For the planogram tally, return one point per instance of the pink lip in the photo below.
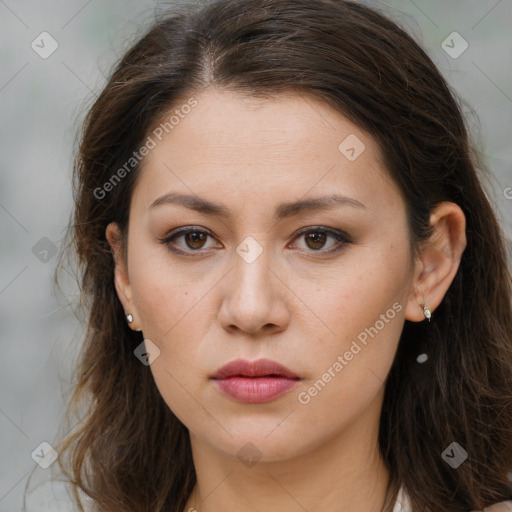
(254, 382)
(255, 390)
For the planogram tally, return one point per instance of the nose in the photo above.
(254, 297)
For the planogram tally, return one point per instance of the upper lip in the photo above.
(259, 368)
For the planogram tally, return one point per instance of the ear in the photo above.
(438, 261)
(122, 281)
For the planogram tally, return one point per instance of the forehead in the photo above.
(223, 119)
(238, 145)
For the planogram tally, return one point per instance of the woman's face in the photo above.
(279, 269)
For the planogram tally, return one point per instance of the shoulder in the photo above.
(403, 504)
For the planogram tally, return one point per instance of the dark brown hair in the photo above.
(130, 452)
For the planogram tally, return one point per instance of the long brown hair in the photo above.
(130, 452)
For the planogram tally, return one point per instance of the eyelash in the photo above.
(340, 236)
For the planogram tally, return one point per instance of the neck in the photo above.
(345, 473)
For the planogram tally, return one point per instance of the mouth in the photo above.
(254, 382)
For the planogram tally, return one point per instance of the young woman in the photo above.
(297, 289)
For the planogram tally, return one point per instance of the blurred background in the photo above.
(55, 58)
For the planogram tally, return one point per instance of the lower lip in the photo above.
(255, 390)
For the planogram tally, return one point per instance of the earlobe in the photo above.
(121, 279)
(438, 262)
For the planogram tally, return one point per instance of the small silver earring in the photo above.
(129, 318)
(426, 311)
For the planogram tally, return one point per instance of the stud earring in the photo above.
(129, 319)
(426, 311)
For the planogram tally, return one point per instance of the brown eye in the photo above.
(191, 240)
(195, 239)
(316, 240)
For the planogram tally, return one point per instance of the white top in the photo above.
(403, 504)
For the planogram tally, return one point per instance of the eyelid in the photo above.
(342, 238)
(331, 231)
(184, 230)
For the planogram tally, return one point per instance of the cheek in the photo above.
(166, 296)
(176, 381)
(174, 311)
(354, 297)
(170, 315)
(362, 314)
(350, 368)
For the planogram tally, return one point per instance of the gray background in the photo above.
(42, 102)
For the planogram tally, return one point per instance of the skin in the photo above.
(291, 304)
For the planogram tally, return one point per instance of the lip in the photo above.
(259, 368)
(254, 381)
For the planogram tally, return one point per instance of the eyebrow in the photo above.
(284, 210)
